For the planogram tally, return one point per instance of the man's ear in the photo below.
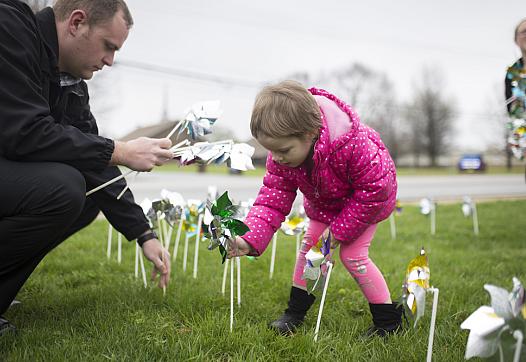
(77, 19)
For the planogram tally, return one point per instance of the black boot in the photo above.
(387, 319)
(6, 326)
(299, 303)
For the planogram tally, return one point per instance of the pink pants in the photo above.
(355, 258)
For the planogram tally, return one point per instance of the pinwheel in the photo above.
(239, 155)
(223, 225)
(428, 207)
(199, 119)
(495, 328)
(197, 122)
(157, 212)
(317, 273)
(296, 223)
(469, 208)
(221, 219)
(317, 258)
(173, 213)
(517, 137)
(398, 207)
(414, 294)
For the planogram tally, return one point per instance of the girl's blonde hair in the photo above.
(283, 110)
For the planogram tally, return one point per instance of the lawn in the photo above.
(80, 306)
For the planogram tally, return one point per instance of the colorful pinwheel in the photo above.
(398, 207)
(415, 285)
(222, 223)
(191, 220)
(314, 272)
(517, 137)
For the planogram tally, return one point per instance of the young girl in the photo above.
(318, 145)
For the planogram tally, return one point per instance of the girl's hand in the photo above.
(238, 247)
(334, 242)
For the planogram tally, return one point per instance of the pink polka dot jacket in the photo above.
(351, 186)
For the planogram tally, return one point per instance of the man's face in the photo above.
(95, 46)
(521, 36)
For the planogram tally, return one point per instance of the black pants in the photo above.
(41, 205)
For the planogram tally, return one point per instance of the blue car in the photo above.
(472, 162)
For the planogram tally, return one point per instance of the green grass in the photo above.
(401, 171)
(79, 306)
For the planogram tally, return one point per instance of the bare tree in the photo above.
(430, 116)
(370, 93)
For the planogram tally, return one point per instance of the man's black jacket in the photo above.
(40, 121)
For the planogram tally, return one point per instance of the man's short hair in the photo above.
(517, 28)
(98, 11)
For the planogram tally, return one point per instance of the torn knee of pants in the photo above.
(358, 267)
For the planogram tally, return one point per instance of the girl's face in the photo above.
(289, 151)
(521, 36)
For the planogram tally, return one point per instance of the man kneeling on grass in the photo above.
(50, 151)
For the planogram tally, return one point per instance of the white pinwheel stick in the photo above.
(108, 248)
(238, 267)
(273, 256)
(432, 326)
(517, 334)
(320, 312)
(143, 271)
(137, 247)
(231, 295)
(225, 273)
(119, 248)
(185, 251)
(475, 219)
(115, 179)
(197, 238)
(392, 224)
(174, 129)
(177, 238)
(433, 219)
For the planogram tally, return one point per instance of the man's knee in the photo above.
(66, 191)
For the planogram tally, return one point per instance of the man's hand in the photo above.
(238, 247)
(154, 252)
(143, 153)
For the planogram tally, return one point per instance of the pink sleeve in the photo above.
(273, 203)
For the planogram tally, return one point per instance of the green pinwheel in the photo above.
(222, 223)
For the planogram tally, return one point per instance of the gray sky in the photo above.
(470, 42)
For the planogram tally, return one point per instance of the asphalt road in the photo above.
(410, 188)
